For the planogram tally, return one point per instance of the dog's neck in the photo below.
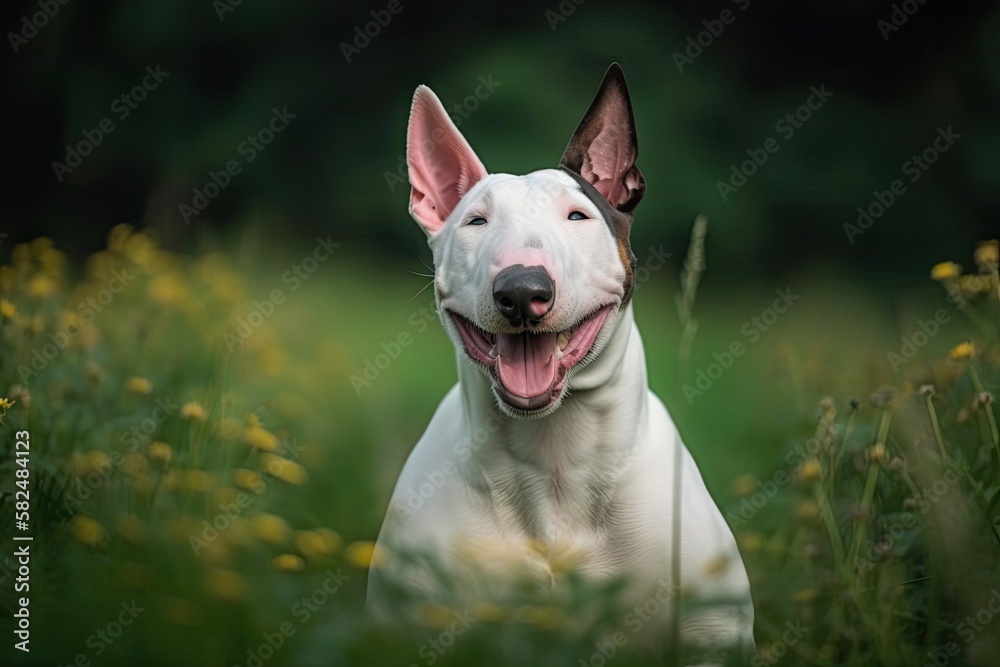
(595, 426)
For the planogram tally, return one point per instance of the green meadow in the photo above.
(211, 438)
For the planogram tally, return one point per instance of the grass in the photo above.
(226, 488)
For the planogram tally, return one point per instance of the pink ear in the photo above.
(604, 148)
(442, 165)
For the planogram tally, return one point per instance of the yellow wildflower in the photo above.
(987, 254)
(167, 289)
(489, 612)
(96, 461)
(743, 485)
(248, 480)
(140, 248)
(332, 540)
(810, 470)
(87, 531)
(877, 453)
(807, 510)
(288, 563)
(749, 541)
(312, 543)
(974, 284)
(269, 527)
(962, 351)
(225, 584)
(364, 554)
(283, 469)
(41, 286)
(260, 438)
(171, 480)
(118, 235)
(945, 271)
(135, 464)
(192, 410)
(160, 452)
(7, 309)
(805, 595)
(138, 385)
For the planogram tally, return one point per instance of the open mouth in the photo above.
(529, 369)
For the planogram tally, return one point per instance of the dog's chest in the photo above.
(558, 507)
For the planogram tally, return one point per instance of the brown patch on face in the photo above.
(628, 261)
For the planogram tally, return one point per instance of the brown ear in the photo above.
(603, 149)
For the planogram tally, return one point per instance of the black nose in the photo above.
(524, 294)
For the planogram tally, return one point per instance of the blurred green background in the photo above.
(334, 172)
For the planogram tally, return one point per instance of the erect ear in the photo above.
(603, 149)
(442, 165)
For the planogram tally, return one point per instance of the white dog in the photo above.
(551, 452)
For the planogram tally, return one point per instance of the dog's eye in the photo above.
(576, 215)
(477, 221)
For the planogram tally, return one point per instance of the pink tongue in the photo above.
(526, 363)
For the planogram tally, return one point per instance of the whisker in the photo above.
(414, 297)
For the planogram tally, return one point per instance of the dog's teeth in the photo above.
(493, 352)
(562, 340)
(559, 353)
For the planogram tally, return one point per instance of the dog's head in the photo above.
(531, 272)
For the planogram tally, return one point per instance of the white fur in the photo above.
(525, 494)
